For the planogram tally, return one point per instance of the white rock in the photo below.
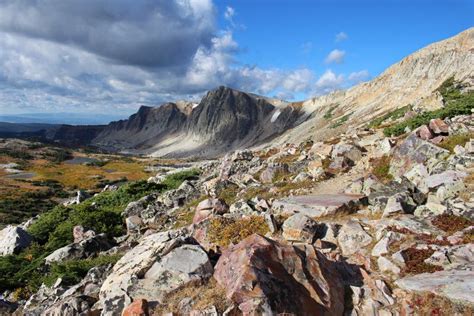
(13, 239)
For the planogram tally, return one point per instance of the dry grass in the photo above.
(381, 168)
(225, 231)
(202, 296)
(452, 141)
(431, 304)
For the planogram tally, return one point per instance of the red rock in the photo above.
(424, 132)
(209, 207)
(438, 126)
(263, 276)
(137, 308)
(438, 139)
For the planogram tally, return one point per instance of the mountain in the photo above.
(225, 119)
(414, 80)
(228, 119)
(60, 118)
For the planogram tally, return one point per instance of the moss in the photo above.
(452, 141)
(224, 231)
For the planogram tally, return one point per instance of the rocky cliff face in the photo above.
(225, 119)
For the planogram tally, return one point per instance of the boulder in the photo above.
(349, 151)
(80, 233)
(321, 149)
(115, 292)
(385, 265)
(81, 250)
(134, 224)
(438, 126)
(424, 132)
(269, 174)
(352, 238)
(241, 208)
(412, 151)
(137, 308)
(455, 285)
(318, 205)
(181, 266)
(382, 246)
(398, 204)
(265, 277)
(208, 207)
(299, 227)
(13, 239)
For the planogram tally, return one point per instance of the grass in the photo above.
(456, 103)
(201, 295)
(341, 121)
(381, 168)
(329, 113)
(393, 115)
(224, 231)
(431, 304)
(453, 140)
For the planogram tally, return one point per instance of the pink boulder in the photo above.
(264, 277)
(209, 207)
(424, 132)
(438, 126)
(137, 308)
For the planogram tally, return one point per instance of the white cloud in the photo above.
(359, 76)
(229, 14)
(329, 82)
(335, 56)
(341, 36)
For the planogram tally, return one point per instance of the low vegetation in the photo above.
(394, 115)
(415, 261)
(329, 113)
(456, 103)
(102, 213)
(381, 168)
(454, 140)
(224, 231)
(450, 223)
(341, 121)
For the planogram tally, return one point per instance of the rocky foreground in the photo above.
(360, 224)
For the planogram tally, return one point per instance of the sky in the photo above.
(109, 57)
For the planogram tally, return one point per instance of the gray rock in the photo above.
(385, 265)
(242, 208)
(269, 174)
(414, 151)
(182, 265)
(299, 227)
(399, 203)
(318, 205)
(114, 292)
(382, 246)
(455, 285)
(13, 239)
(352, 238)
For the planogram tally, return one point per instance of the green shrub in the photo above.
(48, 222)
(73, 271)
(394, 115)
(329, 113)
(341, 121)
(456, 103)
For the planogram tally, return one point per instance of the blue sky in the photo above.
(301, 33)
(106, 56)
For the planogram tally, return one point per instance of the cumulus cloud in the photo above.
(328, 82)
(98, 56)
(142, 32)
(335, 56)
(359, 76)
(341, 36)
